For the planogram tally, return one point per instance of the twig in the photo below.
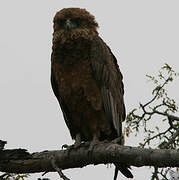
(171, 140)
(45, 173)
(164, 174)
(157, 135)
(166, 81)
(59, 170)
(155, 174)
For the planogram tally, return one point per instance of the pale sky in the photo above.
(142, 34)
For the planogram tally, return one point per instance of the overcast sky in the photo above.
(143, 35)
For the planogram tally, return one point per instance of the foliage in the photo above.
(157, 119)
(11, 176)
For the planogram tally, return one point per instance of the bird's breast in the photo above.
(75, 82)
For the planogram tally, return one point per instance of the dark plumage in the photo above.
(86, 79)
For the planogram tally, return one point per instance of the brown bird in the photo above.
(86, 80)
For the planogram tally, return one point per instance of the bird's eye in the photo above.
(61, 22)
(76, 21)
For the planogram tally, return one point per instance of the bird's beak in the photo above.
(68, 25)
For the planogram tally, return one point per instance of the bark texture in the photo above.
(20, 161)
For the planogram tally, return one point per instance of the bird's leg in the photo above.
(77, 140)
(94, 142)
(75, 145)
(65, 146)
(119, 140)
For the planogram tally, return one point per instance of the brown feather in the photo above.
(86, 79)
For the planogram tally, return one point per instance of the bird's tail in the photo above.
(123, 169)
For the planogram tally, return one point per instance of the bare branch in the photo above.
(59, 170)
(157, 93)
(155, 136)
(103, 153)
(155, 174)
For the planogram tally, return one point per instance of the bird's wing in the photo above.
(109, 80)
(63, 106)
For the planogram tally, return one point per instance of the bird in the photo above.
(86, 80)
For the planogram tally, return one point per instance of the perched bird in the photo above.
(86, 80)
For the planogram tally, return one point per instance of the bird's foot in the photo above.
(92, 144)
(70, 147)
(77, 141)
(75, 145)
(105, 141)
(67, 147)
(117, 140)
(95, 142)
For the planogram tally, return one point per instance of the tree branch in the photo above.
(102, 153)
(171, 140)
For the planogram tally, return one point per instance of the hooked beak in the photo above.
(69, 25)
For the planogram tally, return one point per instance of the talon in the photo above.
(76, 144)
(105, 141)
(93, 143)
(119, 140)
(77, 141)
(116, 140)
(65, 146)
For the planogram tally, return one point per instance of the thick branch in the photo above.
(103, 153)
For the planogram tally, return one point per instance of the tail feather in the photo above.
(123, 169)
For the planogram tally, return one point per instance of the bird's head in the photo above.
(72, 24)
